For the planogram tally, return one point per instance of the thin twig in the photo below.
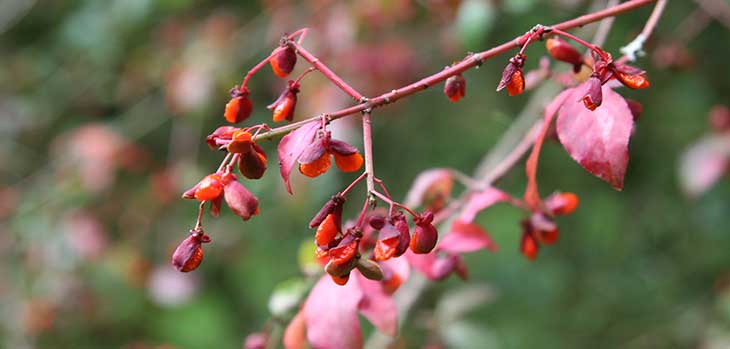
(470, 62)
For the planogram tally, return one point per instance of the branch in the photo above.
(466, 64)
(515, 143)
(326, 71)
(367, 140)
(636, 46)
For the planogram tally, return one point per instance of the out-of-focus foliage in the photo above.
(104, 106)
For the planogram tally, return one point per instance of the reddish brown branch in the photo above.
(466, 64)
(326, 71)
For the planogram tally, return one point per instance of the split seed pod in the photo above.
(284, 106)
(565, 52)
(239, 107)
(512, 77)
(189, 253)
(425, 235)
(284, 61)
(594, 96)
(455, 88)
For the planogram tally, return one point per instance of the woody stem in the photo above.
(326, 71)
(367, 140)
(199, 221)
(352, 185)
(390, 202)
(468, 63)
(303, 74)
(258, 67)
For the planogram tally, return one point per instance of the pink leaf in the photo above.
(437, 179)
(292, 146)
(704, 163)
(330, 315)
(377, 305)
(397, 266)
(481, 200)
(598, 140)
(466, 237)
(424, 263)
(532, 194)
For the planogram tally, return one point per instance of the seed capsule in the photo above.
(327, 231)
(594, 96)
(631, 77)
(512, 77)
(209, 188)
(425, 235)
(239, 107)
(252, 164)
(189, 254)
(284, 61)
(369, 269)
(563, 51)
(284, 106)
(455, 88)
(529, 246)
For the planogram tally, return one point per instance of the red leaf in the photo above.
(704, 163)
(598, 140)
(466, 237)
(481, 200)
(532, 194)
(377, 305)
(330, 313)
(292, 146)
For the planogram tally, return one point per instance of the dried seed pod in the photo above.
(284, 106)
(314, 160)
(377, 222)
(239, 199)
(425, 235)
(631, 77)
(252, 164)
(342, 269)
(221, 136)
(387, 244)
(189, 253)
(594, 95)
(240, 142)
(369, 269)
(209, 188)
(345, 250)
(333, 205)
(348, 163)
(284, 61)
(340, 280)
(239, 108)
(190, 193)
(565, 52)
(347, 158)
(512, 77)
(455, 88)
(528, 245)
(327, 231)
(401, 225)
(561, 204)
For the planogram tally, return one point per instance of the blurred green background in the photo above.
(104, 106)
